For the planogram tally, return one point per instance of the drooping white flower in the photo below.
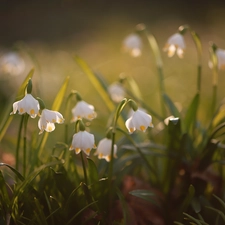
(104, 149)
(12, 63)
(220, 54)
(174, 44)
(26, 105)
(133, 44)
(140, 120)
(116, 92)
(167, 120)
(83, 141)
(48, 119)
(83, 110)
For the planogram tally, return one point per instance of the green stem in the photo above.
(214, 97)
(148, 165)
(199, 77)
(84, 168)
(161, 89)
(156, 52)
(112, 158)
(26, 117)
(18, 142)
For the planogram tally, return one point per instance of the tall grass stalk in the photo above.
(141, 28)
(18, 142)
(26, 117)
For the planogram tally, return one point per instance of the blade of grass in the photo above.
(5, 124)
(95, 82)
(56, 105)
(79, 212)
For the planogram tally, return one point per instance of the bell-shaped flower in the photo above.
(174, 44)
(47, 120)
(83, 141)
(220, 54)
(12, 63)
(116, 92)
(104, 149)
(140, 120)
(83, 110)
(133, 44)
(26, 105)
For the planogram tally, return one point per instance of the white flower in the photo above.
(83, 110)
(220, 54)
(133, 44)
(26, 105)
(116, 92)
(83, 141)
(48, 119)
(104, 149)
(12, 63)
(167, 120)
(139, 120)
(175, 43)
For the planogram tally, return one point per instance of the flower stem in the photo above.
(151, 169)
(18, 142)
(159, 64)
(84, 168)
(198, 45)
(26, 117)
(214, 97)
(199, 78)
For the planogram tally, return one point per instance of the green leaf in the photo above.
(207, 154)
(198, 222)
(124, 206)
(99, 86)
(172, 108)
(220, 200)
(219, 117)
(190, 117)
(39, 213)
(95, 82)
(5, 124)
(178, 223)
(55, 106)
(13, 170)
(196, 205)
(60, 96)
(134, 88)
(146, 195)
(218, 211)
(92, 171)
(174, 135)
(188, 199)
(78, 213)
(198, 43)
(4, 195)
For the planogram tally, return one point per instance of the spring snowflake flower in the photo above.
(26, 105)
(175, 44)
(116, 92)
(220, 54)
(140, 120)
(104, 149)
(12, 63)
(133, 44)
(48, 119)
(83, 110)
(83, 141)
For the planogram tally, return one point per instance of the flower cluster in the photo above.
(31, 106)
(85, 142)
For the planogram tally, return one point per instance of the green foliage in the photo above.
(173, 173)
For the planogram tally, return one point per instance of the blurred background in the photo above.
(45, 35)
